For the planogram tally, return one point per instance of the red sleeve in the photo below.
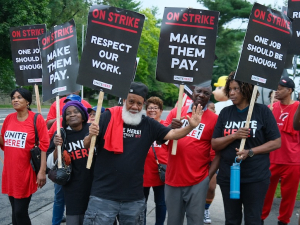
(52, 129)
(52, 112)
(171, 116)
(43, 133)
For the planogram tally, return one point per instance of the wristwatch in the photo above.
(250, 153)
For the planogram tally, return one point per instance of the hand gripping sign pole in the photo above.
(181, 89)
(242, 145)
(97, 119)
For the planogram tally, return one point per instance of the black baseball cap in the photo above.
(287, 82)
(138, 88)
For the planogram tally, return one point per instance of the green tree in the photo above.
(16, 13)
(124, 4)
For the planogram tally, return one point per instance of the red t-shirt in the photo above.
(191, 163)
(18, 177)
(52, 111)
(53, 128)
(151, 177)
(289, 152)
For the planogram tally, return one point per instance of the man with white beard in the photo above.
(124, 137)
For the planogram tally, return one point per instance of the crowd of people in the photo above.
(130, 145)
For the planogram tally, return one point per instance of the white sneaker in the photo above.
(206, 217)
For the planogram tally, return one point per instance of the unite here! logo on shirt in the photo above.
(133, 133)
(15, 139)
(196, 132)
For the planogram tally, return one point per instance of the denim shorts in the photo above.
(103, 212)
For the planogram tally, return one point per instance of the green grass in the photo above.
(94, 102)
(278, 195)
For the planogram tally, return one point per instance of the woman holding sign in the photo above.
(19, 181)
(262, 137)
(77, 190)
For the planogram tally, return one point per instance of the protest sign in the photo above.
(294, 13)
(109, 55)
(108, 60)
(187, 46)
(265, 47)
(26, 53)
(186, 49)
(59, 55)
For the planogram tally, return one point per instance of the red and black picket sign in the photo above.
(26, 53)
(187, 46)
(265, 47)
(293, 12)
(108, 60)
(59, 55)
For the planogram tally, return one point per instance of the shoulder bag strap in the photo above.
(35, 130)
(154, 154)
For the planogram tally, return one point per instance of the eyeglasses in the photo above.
(92, 114)
(152, 109)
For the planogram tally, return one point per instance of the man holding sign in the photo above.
(187, 174)
(124, 137)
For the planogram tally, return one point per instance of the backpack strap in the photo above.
(35, 130)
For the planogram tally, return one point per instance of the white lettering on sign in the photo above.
(102, 84)
(15, 139)
(185, 79)
(296, 15)
(30, 67)
(258, 79)
(59, 89)
(36, 80)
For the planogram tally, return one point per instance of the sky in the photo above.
(161, 4)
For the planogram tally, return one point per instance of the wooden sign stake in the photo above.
(272, 100)
(58, 132)
(37, 97)
(181, 89)
(97, 119)
(249, 115)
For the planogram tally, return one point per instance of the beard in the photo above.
(130, 118)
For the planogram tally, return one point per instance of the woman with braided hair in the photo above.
(262, 137)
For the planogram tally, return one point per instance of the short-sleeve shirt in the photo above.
(263, 128)
(190, 165)
(119, 177)
(289, 152)
(18, 177)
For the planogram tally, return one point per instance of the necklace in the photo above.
(284, 107)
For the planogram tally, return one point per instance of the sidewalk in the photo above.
(43, 216)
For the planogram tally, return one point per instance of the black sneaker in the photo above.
(281, 223)
(63, 220)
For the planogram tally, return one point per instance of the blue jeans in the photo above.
(160, 204)
(58, 205)
(104, 212)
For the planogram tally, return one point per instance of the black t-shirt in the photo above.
(77, 190)
(263, 129)
(119, 177)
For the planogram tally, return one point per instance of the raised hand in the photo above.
(196, 116)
